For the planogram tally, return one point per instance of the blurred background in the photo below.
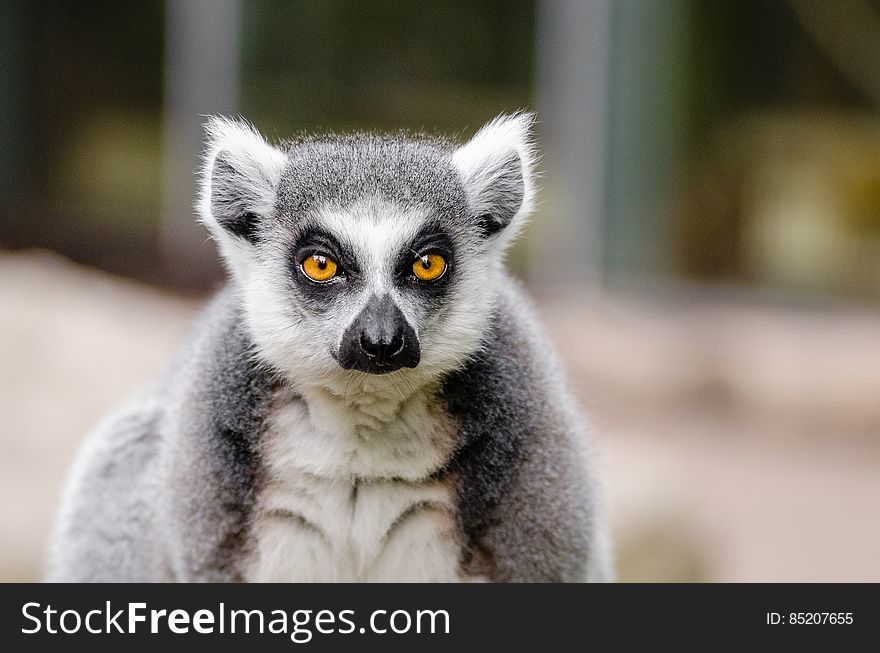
(706, 254)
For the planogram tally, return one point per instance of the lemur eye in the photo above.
(429, 267)
(319, 268)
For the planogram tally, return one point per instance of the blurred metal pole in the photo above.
(572, 89)
(201, 77)
(647, 137)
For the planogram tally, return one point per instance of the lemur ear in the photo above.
(239, 179)
(497, 169)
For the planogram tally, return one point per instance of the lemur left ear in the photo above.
(239, 180)
(497, 169)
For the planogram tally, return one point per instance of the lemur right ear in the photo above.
(497, 169)
(239, 179)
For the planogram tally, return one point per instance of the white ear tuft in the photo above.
(239, 179)
(497, 167)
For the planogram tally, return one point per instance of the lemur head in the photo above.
(366, 253)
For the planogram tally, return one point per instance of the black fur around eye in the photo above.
(330, 253)
(433, 247)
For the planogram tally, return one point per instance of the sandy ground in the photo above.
(738, 443)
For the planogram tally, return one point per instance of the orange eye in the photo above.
(319, 268)
(429, 267)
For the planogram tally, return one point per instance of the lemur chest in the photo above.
(351, 494)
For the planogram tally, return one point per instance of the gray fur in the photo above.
(526, 492)
(340, 170)
(165, 487)
(169, 488)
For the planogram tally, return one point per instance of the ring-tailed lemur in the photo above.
(370, 398)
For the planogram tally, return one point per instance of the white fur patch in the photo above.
(348, 495)
(376, 230)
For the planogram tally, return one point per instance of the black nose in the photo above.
(379, 340)
(383, 351)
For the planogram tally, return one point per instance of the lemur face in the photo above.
(367, 257)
